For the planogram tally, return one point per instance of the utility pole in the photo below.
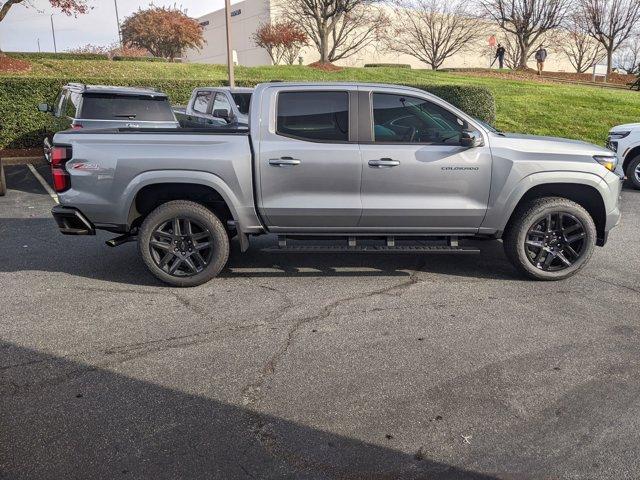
(227, 12)
(39, 45)
(118, 21)
(53, 32)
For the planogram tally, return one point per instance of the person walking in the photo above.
(500, 51)
(541, 56)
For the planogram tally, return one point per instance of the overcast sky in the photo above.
(23, 26)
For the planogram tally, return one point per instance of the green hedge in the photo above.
(23, 126)
(387, 65)
(56, 56)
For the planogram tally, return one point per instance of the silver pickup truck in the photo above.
(216, 107)
(375, 168)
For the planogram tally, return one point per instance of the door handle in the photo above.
(284, 162)
(384, 163)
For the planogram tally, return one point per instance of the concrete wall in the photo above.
(252, 13)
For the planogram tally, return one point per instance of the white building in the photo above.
(248, 15)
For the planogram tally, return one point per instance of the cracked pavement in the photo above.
(312, 366)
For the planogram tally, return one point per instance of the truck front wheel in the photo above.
(183, 243)
(550, 238)
(633, 172)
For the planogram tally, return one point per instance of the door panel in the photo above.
(310, 173)
(416, 175)
(433, 187)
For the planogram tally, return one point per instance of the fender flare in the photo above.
(191, 177)
(501, 211)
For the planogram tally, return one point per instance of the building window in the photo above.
(316, 116)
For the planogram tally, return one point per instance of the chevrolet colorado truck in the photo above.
(373, 168)
(216, 107)
(625, 141)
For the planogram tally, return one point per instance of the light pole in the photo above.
(118, 22)
(53, 32)
(227, 14)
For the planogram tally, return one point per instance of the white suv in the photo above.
(625, 141)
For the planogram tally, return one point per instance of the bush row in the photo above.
(23, 126)
(80, 56)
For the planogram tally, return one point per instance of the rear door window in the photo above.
(72, 103)
(126, 107)
(316, 116)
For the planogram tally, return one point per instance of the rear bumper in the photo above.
(72, 222)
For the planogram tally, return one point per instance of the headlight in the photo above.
(607, 162)
(617, 135)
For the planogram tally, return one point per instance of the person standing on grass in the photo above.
(541, 56)
(500, 51)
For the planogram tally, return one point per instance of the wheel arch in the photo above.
(152, 189)
(584, 195)
(631, 154)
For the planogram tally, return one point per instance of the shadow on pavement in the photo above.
(36, 244)
(64, 419)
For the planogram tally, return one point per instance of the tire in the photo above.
(633, 172)
(3, 181)
(166, 246)
(572, 239)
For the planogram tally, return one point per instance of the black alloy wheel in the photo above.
(181, 247)
(555, 242)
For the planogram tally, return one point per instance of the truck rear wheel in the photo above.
(183, 243)
(550, 238)
(633, 172)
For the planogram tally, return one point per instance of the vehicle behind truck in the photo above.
(216, 107)
(338, 168)
(625, 141)
(80, 106)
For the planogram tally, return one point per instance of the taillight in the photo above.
(77, 126)
(61, 178)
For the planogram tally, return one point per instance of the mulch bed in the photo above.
(326, 67)
(22, 152)
(530, 74)
(8, 64)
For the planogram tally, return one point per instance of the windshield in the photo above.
(242, 102)
(487, 126)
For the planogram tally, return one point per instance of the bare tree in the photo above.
(610, 22)
(526, 20)
(337, 28)
(432, 30)
(628, 56)
(580, 48)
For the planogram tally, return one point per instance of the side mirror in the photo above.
(470, 139)
(221, 113)
(44, 108)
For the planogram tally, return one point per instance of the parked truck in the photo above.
(374, 168)
(216, 107)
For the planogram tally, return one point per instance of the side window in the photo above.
(202, 101)
(221, 103)
(72, 104)
(60, 101)
(317, 116)
(403, 119)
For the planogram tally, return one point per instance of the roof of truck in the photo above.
(114, 90)
(232, 90)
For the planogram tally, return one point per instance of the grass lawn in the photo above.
(557, 109)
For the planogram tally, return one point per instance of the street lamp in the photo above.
(118, 21)
(53, 32)
(227, 14)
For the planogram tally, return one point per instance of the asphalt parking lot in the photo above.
(312, 366)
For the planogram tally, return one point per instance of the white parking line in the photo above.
(43, 182)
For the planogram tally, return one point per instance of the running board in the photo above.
(372, 249)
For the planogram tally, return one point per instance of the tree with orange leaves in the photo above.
(165, 32)
(281, 40)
